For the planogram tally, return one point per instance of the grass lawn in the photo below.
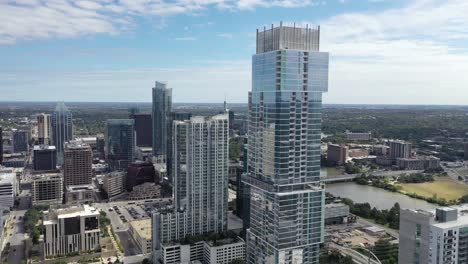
(443, 187)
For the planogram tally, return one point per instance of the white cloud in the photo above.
(39, 19)
(402, 55)
(226, 35)
(185, 38)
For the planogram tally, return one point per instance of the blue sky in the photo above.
(382, 51)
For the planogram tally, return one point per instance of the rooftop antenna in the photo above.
(225, 104)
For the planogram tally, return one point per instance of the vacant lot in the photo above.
(443, 187)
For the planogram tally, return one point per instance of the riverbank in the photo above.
(376, 197)
(440, 190)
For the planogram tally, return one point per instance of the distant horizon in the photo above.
(221, 103)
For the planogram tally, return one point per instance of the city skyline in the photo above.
(93, 51)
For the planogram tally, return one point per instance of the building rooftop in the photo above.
(75, 144)
(54, 214)
(44, 147)
(7, 178)
(79, 188)
(142, 227)
(47, 176)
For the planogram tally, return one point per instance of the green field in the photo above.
(443, 187)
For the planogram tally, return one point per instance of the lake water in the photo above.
(376, 197)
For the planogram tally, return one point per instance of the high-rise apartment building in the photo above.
(113, 183)
(175, 116)
(8, 189)
(120, 142)
(78, 164)
(1, 145)
(62, 129)
(47, 189)
(43, 129)
(143, 129)
(20, 141)
(200, 181)
(44, 158)
(434, 237)
(400, 149)
(286, 210)
(162, 106)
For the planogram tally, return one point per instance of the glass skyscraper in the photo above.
(62, 129)
(285, 215)
(162, 106)
(120, 142)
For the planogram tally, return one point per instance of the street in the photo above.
(129, 245)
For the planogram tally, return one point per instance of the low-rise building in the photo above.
(79, 194)
(384, 160)
(380, 150)
(71, 230)
(223, 251)
(47, 189)
(358, 136)
(336, 213)
(8, 189)
(113, 183)
(358, 153)
(141, 232)
(145, 191)
(420, 163)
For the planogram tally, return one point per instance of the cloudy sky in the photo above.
(382, 51)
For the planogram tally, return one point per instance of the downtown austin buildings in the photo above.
(43, 129)
(120, 142)
(78, 164)
(162, 106)
(285, 217)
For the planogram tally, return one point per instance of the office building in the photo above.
(143, 129)
(162, 106)
(144, 153)
(71, 230)
(113, 183)
(224, 251)
(62, 129)
(8, 189)
(200, 181)
(400, 149)
(20, 141)
(337, 154)
(47, 189)
(79, 194)
(357, 136)
(78, 164)
(286, 210)
(139, 172)
(101, 146)
(120, 143)
(44, 158)
(1, 145)
(141, 232)
(434, 237)
(43, 129)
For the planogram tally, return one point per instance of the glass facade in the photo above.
(120, 142)
(62, 129)
(162, 107)
(286, 215)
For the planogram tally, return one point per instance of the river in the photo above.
(376, 197)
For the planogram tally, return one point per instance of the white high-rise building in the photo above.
(434, 237)
(200, 169)
(8, 189)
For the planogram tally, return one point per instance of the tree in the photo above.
(238, 261)
(145, 261)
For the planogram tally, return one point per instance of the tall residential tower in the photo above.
(285, 217)
(43, 129)
(200, 181)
